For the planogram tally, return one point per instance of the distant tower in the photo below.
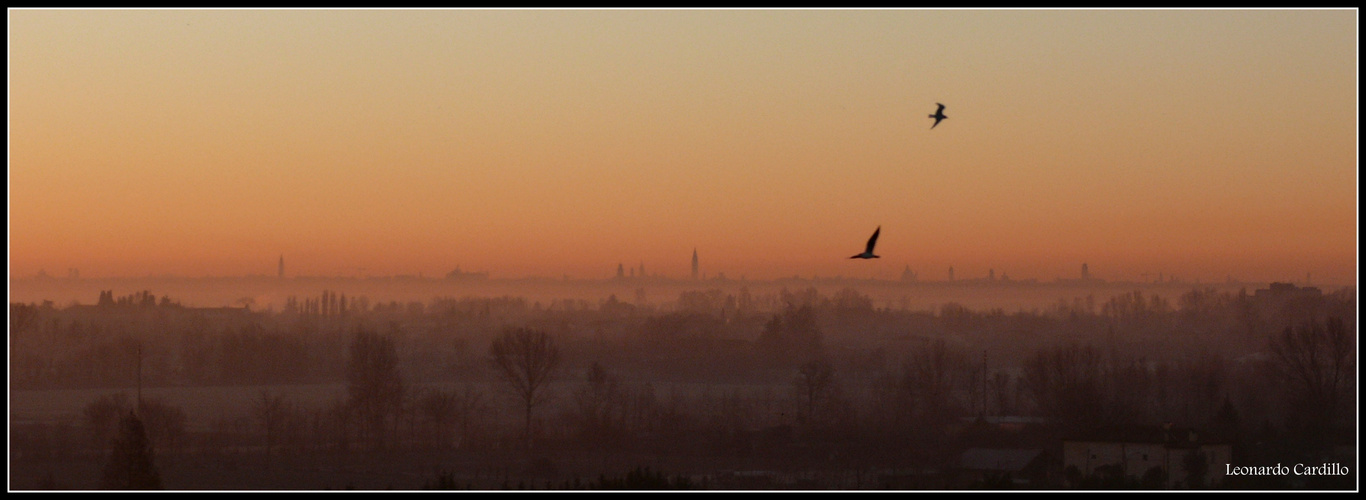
(950, 273)
(694, 264)
(991, 274)
(282, 266)
(1085, 273)
(621, 270)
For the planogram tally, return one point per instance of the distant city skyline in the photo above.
(1193, 143)
(907, 274)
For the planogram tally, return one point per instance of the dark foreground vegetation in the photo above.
(794, 390)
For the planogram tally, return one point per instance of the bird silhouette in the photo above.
(868, 254)
(938, 116)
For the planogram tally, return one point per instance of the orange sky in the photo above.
(1194, 143)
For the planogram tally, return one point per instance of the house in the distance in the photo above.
(1173, 454)
(1004, 468)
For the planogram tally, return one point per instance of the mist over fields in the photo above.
(258, 383)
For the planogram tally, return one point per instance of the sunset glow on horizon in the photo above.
(1200, 144)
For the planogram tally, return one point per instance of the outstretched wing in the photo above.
(873, 241)
(940, 110)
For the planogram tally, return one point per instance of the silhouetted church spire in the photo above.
(694, 263)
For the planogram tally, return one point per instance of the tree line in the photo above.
(712, 377)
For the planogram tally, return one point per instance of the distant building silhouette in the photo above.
(282, 266)
(950, 273)
(908, 275)
(991, 274)
(642, 269)
(1085, 278)
(694, 264)
(458, 275)
(1284, 291)
(621, 270)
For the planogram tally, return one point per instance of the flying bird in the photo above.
(938, 116)
(868, 254)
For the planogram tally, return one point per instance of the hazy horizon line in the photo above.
(1003, 279)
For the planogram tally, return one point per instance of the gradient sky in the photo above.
(1194, 143)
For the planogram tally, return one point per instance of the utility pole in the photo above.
(984, 382)
(139, 406)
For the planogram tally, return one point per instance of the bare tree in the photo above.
(526, 359)
(21, 316)
(340, 415)
(131, 465)
(596, 404)
(813, 382)
(165, 424)
(373, 382)
(269, 411)
(1067, 384)
(930, 375)
(102, 417)
(791, 338)
(439, 408)
(1316, 360)
(470, 406)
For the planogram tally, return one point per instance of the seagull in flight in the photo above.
(868, 254)
(938, 116)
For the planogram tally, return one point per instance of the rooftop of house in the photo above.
(998, 459)
(1167, 434)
